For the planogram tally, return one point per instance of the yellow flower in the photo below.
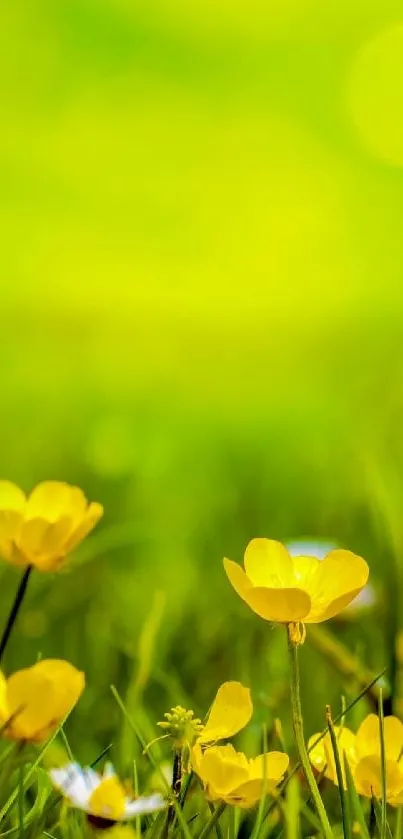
(41, 529)
(230, 712)
(287, 589)
(103, 797)
(35, 700)
(229, 776)
(363, 752)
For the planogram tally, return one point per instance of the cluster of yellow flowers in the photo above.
(40, 530)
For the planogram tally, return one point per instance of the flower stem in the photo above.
(176, 788)
(300, 740)
(19, 597)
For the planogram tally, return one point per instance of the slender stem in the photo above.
(176, 787)
(399, 823)
(19, 597)
(213, 821)
(300, 740)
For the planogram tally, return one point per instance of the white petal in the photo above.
(109, 771)
(75, 783)
(149, 804)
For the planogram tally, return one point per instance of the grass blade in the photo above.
(383, 766)
(345, 815)
(379, 819)
(213, 821)
(399, 823)
(260, 812)
(354, 801)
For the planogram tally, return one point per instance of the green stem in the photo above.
(213, 821)
(19, 597)
(300, 740)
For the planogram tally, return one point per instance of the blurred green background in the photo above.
(201, 211)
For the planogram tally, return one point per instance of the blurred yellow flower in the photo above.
(290, 590)
(35, 700)
(363, 752)
(229, 776)
(41, 529)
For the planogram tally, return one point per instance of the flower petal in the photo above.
(368, 740)
(230, 712)
(42, 543)
(271, 766)
(280, 605)
(12, 503)
(338, 580)
(75, 783)
(52, 500)
(222, 769)
(237, 578)
(248, 794)
(147, 804)
(268, 564)
(322, 755)
(368, 777)
(305, 567)
(4, 709)
(94, 513)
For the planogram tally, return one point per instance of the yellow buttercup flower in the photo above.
(229, 776)
(42, 528)
(363, 752)
(299, 589)
(35, 700)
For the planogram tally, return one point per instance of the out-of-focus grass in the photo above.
(201, 326)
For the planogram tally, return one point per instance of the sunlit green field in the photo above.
(201, 319)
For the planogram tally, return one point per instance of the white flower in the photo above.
(102, 796)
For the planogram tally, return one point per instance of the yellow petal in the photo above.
(52, 500)
(40, 696)
(281, 605)
(4, 708)
(305, 567)
(68, 681)
(108, 800)
(317, 753)
(368, 777)
(285, 605)
(368, 737)
(40, 540)
(12, 503)
(237, 578)
(340, 576)
(230, 712)
(248, 794)
(268, 564)
(12, 498)
(322, 755)
(222, 769)
(94, 513)
(270, 766)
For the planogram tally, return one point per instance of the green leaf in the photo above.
(345, 814)
(354, 801)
